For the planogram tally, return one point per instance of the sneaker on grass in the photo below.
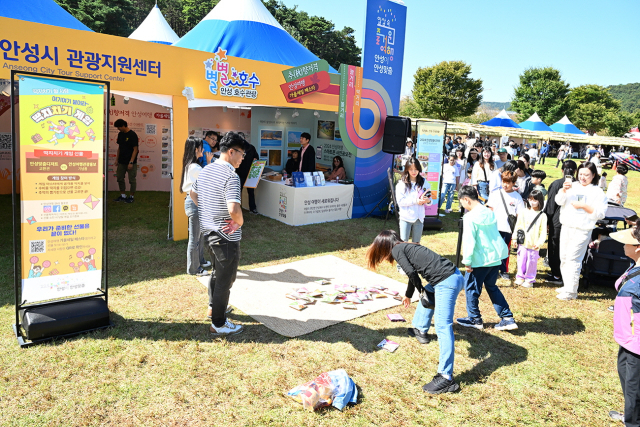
(616, 416)
(120, 199)
(610, 308)
(439, 384)
(506, 324)
(527, 284)
(519, 281)
(550, 278)
(420, 336)
(227, 329)
(129, 199)
(566, 296)
(469, 322)
(505, 276)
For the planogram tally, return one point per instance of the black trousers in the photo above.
(225, 257)
(252, 199)
(542, 158)
(504, 267)
(629, 373)
(553, 250)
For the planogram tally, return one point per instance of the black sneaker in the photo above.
(440, 384)
(129, 199)
(420, 336)
(254, 211)
(469, 322)
(550, 278)
(505, 276)
(120, 199)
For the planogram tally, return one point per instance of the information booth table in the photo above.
(305, 205)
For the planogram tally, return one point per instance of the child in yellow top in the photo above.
(533, 223)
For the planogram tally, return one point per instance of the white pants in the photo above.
(573, 246)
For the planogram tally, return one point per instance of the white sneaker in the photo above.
(526, 284)
(227, 329)
(566, 296)
(560, 290)
(519, 281)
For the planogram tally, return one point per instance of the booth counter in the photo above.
(301, 206)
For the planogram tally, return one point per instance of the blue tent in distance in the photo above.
(41, 12)
(564, 125)
(155, 29)
(246, 29)
(535, 123)
(502, 119)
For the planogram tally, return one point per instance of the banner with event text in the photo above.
(62, 186)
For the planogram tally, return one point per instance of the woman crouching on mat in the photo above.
(444, 280)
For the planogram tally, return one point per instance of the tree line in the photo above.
(446, 91)
(122, 17)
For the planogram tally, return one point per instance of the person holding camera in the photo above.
(582, 204)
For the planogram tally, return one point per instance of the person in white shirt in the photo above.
(450, 179)
(511, 149)
(460, 164)
(582, 204)
(617, 191)
(482, 171)
(603, 182)
(412, 196)
(533, 155)
(503, 203)
(193, 151)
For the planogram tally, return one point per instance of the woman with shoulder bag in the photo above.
(506, 204)
(444, 283)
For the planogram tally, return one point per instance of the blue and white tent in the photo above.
(565, 126)
(502, 119)
(535, 123)
(155, 29)
(41, 12)
(246, 29)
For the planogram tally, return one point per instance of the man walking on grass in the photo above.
(127, 160)
(217, 194)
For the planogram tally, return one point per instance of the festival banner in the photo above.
(430, 152)
(61, 187)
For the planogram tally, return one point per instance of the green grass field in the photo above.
(158, 366)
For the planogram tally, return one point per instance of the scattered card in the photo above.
(329, 299)
(354, 299)
(388, 345)
(292, 295)
(397, 298)
(297, 306)
(390, 292)
(315, 293)
(323, 282)
(396, 317)
(379, 296)
(349, 305)
(364, 296)
(301, 290)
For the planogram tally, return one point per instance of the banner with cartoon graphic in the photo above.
(430, 152)
(61, 187)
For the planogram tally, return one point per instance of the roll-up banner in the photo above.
(430, 155)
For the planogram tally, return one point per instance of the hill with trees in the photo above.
(628, 95)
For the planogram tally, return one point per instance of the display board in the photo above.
(61, 187)
(430, 154)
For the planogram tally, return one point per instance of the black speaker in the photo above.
(65, 318)
(396, 132)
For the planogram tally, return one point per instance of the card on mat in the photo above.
(396, 317)
(349, 305)
(297, 306)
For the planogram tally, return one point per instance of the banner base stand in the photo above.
(432, 224)
(24, 342)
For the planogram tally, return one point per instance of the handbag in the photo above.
(512, 219)
(427, 299)
(520, 236)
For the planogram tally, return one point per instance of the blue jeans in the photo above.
(413, 228)
(446, 294)
(486, 276)
(447, 192)
(483, 189)
(195, 247)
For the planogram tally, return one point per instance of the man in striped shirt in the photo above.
(217, 194)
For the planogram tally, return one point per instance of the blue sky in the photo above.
(588, 41)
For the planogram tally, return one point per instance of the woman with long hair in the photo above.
(582, 203)
(337, 170)
(482, 171)
(438, 297)
(472, 159)
(412, 196)
(193, 150)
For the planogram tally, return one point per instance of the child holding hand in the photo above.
(530, 235)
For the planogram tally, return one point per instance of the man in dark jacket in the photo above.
(250, 154)
(307, 154)
(552, 210)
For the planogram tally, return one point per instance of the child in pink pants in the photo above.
(532, 228)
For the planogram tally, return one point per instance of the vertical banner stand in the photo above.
(433, 222)
(69, 312)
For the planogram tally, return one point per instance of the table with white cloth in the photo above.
(303, 205)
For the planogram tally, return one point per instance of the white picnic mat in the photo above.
(260, 293)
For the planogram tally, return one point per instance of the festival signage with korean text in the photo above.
(429, 153)
(61, 187)
(305, 80)
(229, 81)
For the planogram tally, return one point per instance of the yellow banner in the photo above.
(61, 187)
(138, 66)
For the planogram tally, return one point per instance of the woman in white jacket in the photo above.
(412, 196)
(582, 204)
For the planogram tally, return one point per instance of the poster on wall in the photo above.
(326, 129)
(293, 137)
(430, 152)
(270, 138)
(61, 163)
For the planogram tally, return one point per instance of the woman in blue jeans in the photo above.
(193, 150)
(438, 297)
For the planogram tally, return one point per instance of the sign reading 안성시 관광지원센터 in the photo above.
(61, 186)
